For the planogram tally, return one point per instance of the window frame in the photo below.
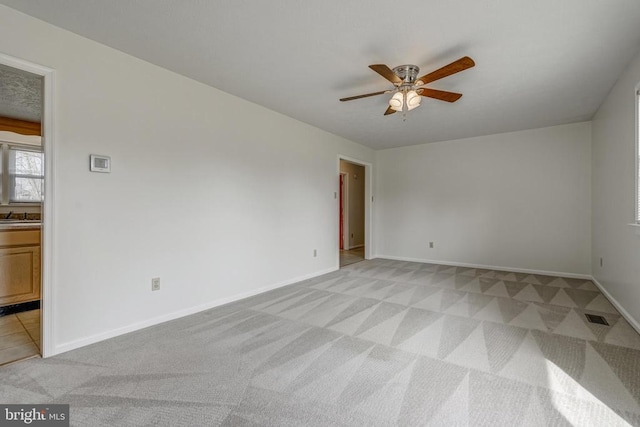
(5, 176)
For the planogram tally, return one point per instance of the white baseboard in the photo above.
(628, 317)
(490, 267)
(64, 347)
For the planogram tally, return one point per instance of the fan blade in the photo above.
(455, 67)
(389, 111)
(351, 98)
(439, 94)
(386, 72)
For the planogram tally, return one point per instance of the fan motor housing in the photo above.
(408, 73)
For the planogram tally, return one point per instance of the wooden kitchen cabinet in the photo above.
(19, 266)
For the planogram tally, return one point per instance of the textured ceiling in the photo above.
(539, 63)
(20, 94)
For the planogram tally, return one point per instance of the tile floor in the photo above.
(351, 256)
(19, 336)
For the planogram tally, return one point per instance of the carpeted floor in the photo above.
(377, 343)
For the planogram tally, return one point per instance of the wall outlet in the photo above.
(155, 284)
(315, 253)
(430, 245)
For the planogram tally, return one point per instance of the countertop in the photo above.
(19, 225)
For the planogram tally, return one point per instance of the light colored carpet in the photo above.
(378, 343)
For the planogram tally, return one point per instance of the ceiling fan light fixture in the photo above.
(406, 90)
(413, 100)
(397, 101)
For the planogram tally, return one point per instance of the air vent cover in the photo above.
(594, 318)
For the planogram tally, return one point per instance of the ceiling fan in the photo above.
(406, 92)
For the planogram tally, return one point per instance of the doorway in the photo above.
(351, 212)
(26, 162)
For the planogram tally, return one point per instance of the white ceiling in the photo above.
(539, 63)
(20, 94)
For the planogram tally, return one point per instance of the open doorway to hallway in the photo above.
(352, 213)
(21, 197)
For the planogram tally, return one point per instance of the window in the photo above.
(22, 174)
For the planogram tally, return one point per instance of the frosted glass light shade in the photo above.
(413, 100)
(396, 101)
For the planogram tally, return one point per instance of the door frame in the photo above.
(369, 242)
(47, 232)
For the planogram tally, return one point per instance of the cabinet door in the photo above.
(19, 274)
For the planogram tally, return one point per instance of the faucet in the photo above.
(8, 216)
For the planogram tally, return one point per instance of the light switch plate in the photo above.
(99, 163)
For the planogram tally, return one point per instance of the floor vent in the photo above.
(593, 318)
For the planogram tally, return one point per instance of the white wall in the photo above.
(613, 194)
(517, 200)
(259, 188)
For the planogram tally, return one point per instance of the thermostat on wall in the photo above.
(100, 163)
